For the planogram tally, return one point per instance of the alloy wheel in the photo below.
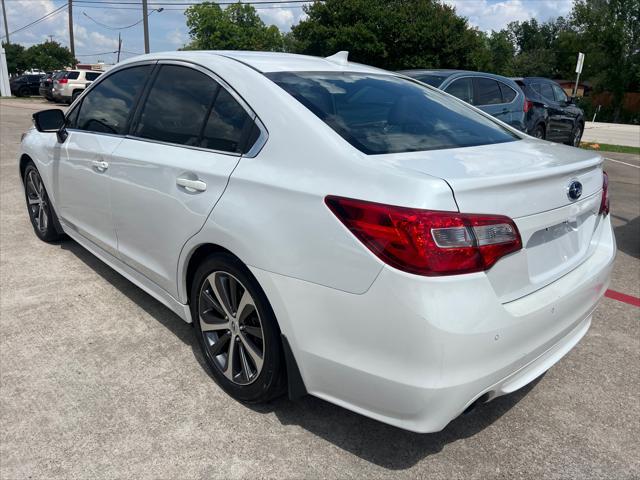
(37, 201)
(577, 135)
(231, 328)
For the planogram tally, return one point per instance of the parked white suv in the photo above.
(329, 227)
(70, 85)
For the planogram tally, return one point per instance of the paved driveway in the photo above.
(100, 381)
(612, 134)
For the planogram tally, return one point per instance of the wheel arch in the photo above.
(295, 384)
(194, 259)
(24, 160)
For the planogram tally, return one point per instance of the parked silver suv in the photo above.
(71, 84)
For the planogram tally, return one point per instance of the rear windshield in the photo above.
(378, 113)
(433, 80)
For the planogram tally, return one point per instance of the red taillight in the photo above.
(604, 203)
(428, 242)
(528, 105)
(63, 80)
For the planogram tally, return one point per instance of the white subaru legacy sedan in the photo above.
(330, 228)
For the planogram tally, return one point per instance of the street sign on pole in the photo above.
(578, 72)
(580, 62)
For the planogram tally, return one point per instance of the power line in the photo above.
(119, 28)
(39, 20)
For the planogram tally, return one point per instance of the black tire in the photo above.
(75, 95)
(24, 92)
(270, 381)
(41, 213)
(576, 135)
(539, 132)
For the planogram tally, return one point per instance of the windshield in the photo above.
(378, 113)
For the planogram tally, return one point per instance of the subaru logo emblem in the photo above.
(574, 190)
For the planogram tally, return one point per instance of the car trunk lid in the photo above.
(527, 180)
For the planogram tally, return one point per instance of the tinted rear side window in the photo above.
(177, 106)
(508, 93)
(91, 76)
(404, 116)
(107, 107)
(227, 125)
(462, 89)
(486, 92)
(72, 75)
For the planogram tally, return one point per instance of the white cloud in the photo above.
(283, 18)
(490, 15)
(177, 38)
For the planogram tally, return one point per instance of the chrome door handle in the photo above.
(191, 185)
(101, 166)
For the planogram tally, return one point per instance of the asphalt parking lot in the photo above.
(99, 380)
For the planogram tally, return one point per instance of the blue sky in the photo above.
(168, 30)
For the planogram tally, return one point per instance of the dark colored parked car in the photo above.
(551, 114)
(497, 95)
(24, 85)
(46, 84)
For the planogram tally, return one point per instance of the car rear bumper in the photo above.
(415, 352)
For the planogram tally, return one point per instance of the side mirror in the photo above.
(51, 120)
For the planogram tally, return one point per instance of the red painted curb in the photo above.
(623, 297)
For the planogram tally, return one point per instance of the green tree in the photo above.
(391, 34)
(15, 57)
(610, 33)
(501, 53)
(48, 56)
(237, 27)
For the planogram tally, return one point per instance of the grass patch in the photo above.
(605, 147)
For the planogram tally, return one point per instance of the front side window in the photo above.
(546, 91)
(405, 117)
(486, 92)
(107, 107)
(462, 89)
(559, 94)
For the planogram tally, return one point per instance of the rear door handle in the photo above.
(191, 185)
(100, 166)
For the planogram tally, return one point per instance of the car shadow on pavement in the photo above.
(627, 236)
(373, 441)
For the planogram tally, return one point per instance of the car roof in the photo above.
(532, 79)
(265, 62)
(438, 72)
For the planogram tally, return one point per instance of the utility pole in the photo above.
(119, 47)
(6, 27)
(71, 45)
(145, 18)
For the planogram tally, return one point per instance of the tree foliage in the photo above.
(45, 56)
(390, 34)
(237, 27)
(611, 34)
(15, 57)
